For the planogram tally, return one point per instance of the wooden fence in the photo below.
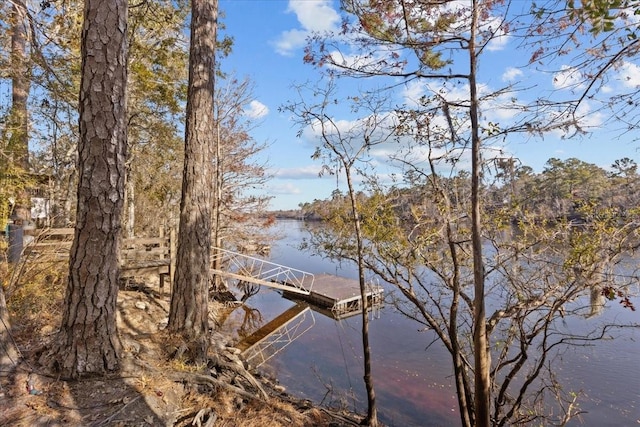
(139, 256)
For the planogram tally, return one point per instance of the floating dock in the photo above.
(338, 295)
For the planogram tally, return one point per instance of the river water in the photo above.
(412, 373)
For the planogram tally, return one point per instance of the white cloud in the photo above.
(499, 42)
(568, 78)
(502, 109)
(588, 118)
(511, 73)
(412, 92)
(367, 61)
(290, 41)
(441, 157)
(585, 116)
(630, 75)
(606, 89)
(500, 39)
(256, 110)
(313, 16)
(316, 15)
(304, 172)
(285, 188)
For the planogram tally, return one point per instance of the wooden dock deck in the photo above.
(339, 295)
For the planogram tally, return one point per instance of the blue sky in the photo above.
(269, 37)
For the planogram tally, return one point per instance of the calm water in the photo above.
(412, 379)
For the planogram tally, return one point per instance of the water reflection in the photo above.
(273, 337)
(596, 302)
(412, 378)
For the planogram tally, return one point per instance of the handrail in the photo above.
(259, 270)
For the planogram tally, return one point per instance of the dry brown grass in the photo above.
(145, 392)
(35, 297)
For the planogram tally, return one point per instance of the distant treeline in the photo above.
(568, 189)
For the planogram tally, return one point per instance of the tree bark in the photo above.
(372, 409)
(189, 301)
(8, 351)
(482, 356)
(18, 144)
(88, 341)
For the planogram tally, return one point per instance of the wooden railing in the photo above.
(138, 256)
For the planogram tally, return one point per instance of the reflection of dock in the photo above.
(340, 296)
(333, 296)
(273, 337)
(282, 320)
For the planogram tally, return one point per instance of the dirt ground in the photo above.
(153, 388)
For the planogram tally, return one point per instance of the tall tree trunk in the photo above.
(464, 400)
(482, 356)
(88, 341)
(19, 117)
(189, 300)
(372, 409)
(217, 221)
(8, 351)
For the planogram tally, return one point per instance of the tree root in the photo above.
(229, 366)
(344, 420)
(208, 379)
(236, 366)
(212, 418)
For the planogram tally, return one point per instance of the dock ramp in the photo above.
(242, 267)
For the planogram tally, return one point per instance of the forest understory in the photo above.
(154, 387)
